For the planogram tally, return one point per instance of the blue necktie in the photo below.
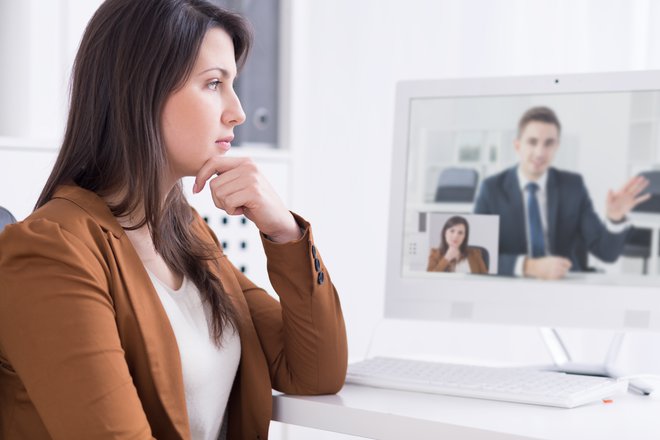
(534, 218)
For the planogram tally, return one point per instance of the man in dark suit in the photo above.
(547, 220)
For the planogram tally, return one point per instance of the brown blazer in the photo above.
(438, 263)
(87, 351)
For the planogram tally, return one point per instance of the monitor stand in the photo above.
(563, 362)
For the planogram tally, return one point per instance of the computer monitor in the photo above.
(452, 135)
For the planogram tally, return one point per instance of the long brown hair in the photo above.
(132, 56)
(453, 221)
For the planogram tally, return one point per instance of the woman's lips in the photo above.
(224, 144)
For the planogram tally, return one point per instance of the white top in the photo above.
(208, 371)
(463, 266)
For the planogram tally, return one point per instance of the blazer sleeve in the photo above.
(303, 336)
(606, 245)
(437, 263)
(481, 205)
(58, 334)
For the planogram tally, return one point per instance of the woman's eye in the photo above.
(213, 85)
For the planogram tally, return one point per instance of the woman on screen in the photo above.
(120, 316)
(454, 254)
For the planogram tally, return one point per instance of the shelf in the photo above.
(53, 145)
(458, 207)
(28, 144)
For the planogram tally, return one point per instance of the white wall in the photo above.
(38, 41)
(348, 56)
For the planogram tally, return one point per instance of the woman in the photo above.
(119, 315)
(454, 255)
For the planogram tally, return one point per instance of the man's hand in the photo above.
(240, 188)
(621, 202)
(546, 268)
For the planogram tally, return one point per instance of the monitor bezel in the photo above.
(504, 300)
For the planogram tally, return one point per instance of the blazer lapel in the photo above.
(250, 403)
(159, 341)
(552, 191)
(160, 344)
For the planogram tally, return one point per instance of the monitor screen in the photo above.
(513, 197)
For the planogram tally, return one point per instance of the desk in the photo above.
(399, 415)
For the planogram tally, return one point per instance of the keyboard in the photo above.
(510, 384)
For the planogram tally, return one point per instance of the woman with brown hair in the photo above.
(453, 254)
(120, 317)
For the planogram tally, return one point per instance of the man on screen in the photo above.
(547, 220)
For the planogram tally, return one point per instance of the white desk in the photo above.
(398, 415)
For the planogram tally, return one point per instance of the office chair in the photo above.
(484, 255)
(652, 205)
(456, 185)
(638, 245)
(638, 241)
(5, 218)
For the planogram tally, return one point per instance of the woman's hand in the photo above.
(240, 188)
(453, 253)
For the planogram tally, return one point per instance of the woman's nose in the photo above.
(234, 114)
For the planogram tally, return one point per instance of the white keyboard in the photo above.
(522, 385)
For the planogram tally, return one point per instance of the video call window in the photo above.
(455, 243)
(536, 191)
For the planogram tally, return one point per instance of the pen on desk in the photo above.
(638, 390)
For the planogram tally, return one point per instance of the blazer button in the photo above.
(317, 264)
(314, 251)
(319, 278)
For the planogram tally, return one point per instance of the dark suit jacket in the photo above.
(87, 351)
(572, 222)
